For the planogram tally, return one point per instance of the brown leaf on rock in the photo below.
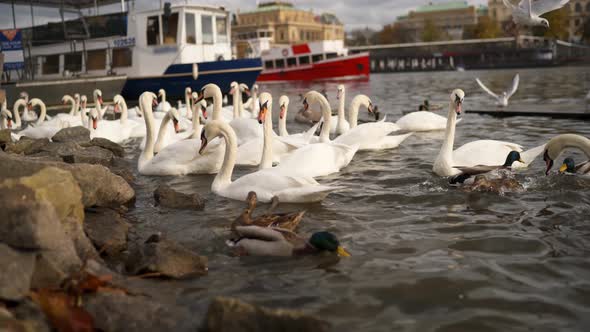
(60, 310)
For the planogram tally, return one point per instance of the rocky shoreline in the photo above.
(73, 261)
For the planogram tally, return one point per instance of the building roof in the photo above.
(435, 7)
(271, 6)
(58, 3)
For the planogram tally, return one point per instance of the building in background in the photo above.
(498, 12)
(283, 24)
(579, 13)
(446, 21)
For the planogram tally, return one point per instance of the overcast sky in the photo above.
(353, 13)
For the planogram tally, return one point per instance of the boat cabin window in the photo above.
(280, 63)
(96, 60)
(221, 25)
(268, 64)
(191, 32)
(331, 55)
(207, 29)
(153, 30)
(122, 57)
(51, 64)
(317, 57)
(170, 28)
(304, 60)
(291, 62)
(73, 62)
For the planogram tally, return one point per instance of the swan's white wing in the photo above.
(514, 86)
(484, 152)
(318, 159)
(485, 88)
(509, 4)
(422, 121)
(306, 194)
(366, 134)
(540, 7)
(526, 7)
(388, 142)
(529, 156)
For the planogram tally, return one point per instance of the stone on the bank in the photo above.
(17, 269)
(5, 136)
(104, 143)
(169, 259)
(99, 186)
(76, 134)
(27, 146)
(107, 229)
(119, 312)
(30, 314)
(170, 198)
(91, 155)
(227, 314)
(46, 274)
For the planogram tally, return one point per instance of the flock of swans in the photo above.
(184, 140)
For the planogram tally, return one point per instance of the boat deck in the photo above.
(554, 111)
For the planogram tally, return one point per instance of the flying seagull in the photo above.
(528, 12)
(502, 99)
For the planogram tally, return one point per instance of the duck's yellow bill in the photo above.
(522, 161)
(563, 168)
(342, 252)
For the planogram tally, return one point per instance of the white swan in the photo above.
(322, 158)
(73, 117)
(5, 119)
(287, 188)
(42, 128)
(186, 109)
(163, 106)
(135, 123)
(115, 130)
(244, 128)
(502, 99)
(180, 158)
(341, 125)
(561, 142)
(422, 121)
(528, 13)
(28, 115)
(268, 149)
(253, 103)
(167, 137)
(298, 139)
(98, 102)
(370, 135)
(482, 152)
(17, 123)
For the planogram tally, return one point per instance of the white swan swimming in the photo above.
(180, 158)
(254, 151)
(322, 158)
(528, 12)
(561, 142)
(116, 130)
(339, 123)
(5, 119)
(481, 152)
(253, 103)
(502, 99)
(42, 128)
(28, 115)
(370, 135)
(98, 102)
(186, 109)
(164, 106)
(422, 121)
(287, 188)
(73, 117)
(136, 123)
(17, 121)
(298, 139)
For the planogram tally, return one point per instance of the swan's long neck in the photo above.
(283, 124)
(353, 111)
(73, 108)
(217, 100)
(42, 114)
(223, 178)
(161, 133)
(236, 103)
(15, 112)
(84, 117)
(327, 115)
(341, 102)
(163, 96)
(148, 151)
(196, 122)
(267, 155)
(561, 142)
(187, 101)
(446, 151)
(124, 112)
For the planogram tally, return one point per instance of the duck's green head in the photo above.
(512, 157)
(568, 166)
(326, 241)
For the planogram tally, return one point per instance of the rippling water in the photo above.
(425, 256)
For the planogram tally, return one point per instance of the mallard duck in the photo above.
(569, 166)
(272, 241)
(426, 106)
(288, 221)
(498, 185)
(467, 172)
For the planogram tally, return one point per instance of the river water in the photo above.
(425, 256)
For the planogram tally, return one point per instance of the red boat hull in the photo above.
(354, 67)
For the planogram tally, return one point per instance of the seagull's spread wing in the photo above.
(485, 88)
(509, 4)
(540, 7)
(526, 7)
(514, 86)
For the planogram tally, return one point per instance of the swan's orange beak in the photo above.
(100, 100)
(247, 91)
(305, 104)
(201, 96)
(9, 123)
(176, 126)
(262, 113)
(117, 108)
(203, 142)
(282, 113)
(29, 106)
(370, 108)
(154, 102)
(231, 91)
(204, 111)
(94, 123)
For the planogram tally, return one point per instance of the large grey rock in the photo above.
(107, 229)
(46, 274)
(116, 312)
(91, 155)
(99, 186)
(104, 143)
(5, 136)
(17, 269)
(30, 316)
(169, 259)
(76, 134)
(170, 198)
(233, 315)
(27, 146)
